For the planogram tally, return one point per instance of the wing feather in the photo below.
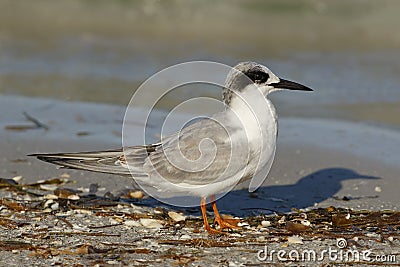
(177, 160)
(109, 161)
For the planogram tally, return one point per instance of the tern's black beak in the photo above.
(285, 84)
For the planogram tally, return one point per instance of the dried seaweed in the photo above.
(12, 205)
(197, 242)
(9, 245)
(10, 224)
(321, 224)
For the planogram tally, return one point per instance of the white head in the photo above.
(251, 73)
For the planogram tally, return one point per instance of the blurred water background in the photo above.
(101, 51)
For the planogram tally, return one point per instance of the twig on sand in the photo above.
(36, 124)
(35, 121)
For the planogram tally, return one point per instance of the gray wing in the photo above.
(201, 153)
(223, 156)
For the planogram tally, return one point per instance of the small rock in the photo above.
(79, 211)
(372, 235)
(48, 203)
(295, 240)
(56, 243)
(136, 194)
(304, 216)
(157, 211)
(151, 223)
(260, 238)
(78, 227)
(50, 196)
(73, 197)
(55, 206)
(27, 198)
(17, 178)
(63, 192)
(305, 222)
(265, 223)
(378, 189)
(113, 221)
(119, 220)
(132, 223)
(185, 237)
(235, 235)
(83, 189)
(48, 187)
(177, 217)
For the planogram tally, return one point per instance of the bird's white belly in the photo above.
(261, 132)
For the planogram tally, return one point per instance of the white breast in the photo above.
(256, 114)
(258, 118)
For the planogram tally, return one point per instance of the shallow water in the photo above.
(79, 50)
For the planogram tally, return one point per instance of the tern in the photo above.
(209, 156)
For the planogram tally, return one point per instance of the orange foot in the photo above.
(212, 231)
(227, 223)
(223, 223)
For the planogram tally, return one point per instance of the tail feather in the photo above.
(111, 161)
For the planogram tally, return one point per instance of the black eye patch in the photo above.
(258, 76)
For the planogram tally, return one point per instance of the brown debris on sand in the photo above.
(42, 222)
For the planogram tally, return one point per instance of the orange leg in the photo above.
(223, 223)
(203, 206)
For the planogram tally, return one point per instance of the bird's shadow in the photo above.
(310, 189)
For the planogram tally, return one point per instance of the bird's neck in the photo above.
(255, 112)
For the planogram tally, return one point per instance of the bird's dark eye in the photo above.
(258, 76)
